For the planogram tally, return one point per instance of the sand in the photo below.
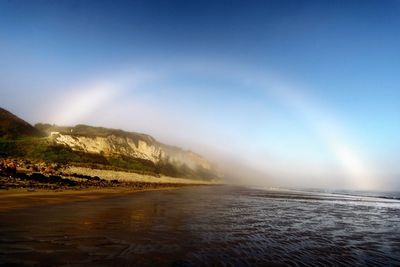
(23, 198)
(133, 177)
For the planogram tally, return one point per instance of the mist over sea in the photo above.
(208, 226)
(370, 193)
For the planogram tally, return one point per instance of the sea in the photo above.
(208, 226)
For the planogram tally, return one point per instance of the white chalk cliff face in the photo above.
(131, 147)
(110, 145)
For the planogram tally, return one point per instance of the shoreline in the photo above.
(26, 184)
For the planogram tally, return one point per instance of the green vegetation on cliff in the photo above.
(18, 139)
(42, 148)
(91, 131)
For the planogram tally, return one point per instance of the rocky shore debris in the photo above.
(20, 173)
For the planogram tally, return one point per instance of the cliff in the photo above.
(99, 147)
(113, 142)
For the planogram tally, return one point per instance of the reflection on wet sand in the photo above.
(205, 226)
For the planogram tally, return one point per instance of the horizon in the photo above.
(283, 93)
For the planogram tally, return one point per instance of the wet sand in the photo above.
(12, 199)
(205, 226)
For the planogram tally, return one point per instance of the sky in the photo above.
(282, 93)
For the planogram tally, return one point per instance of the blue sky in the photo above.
(295, 89)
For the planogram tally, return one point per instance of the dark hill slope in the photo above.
(13, 127)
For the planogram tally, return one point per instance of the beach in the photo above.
(205, 226)
(21, 187)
